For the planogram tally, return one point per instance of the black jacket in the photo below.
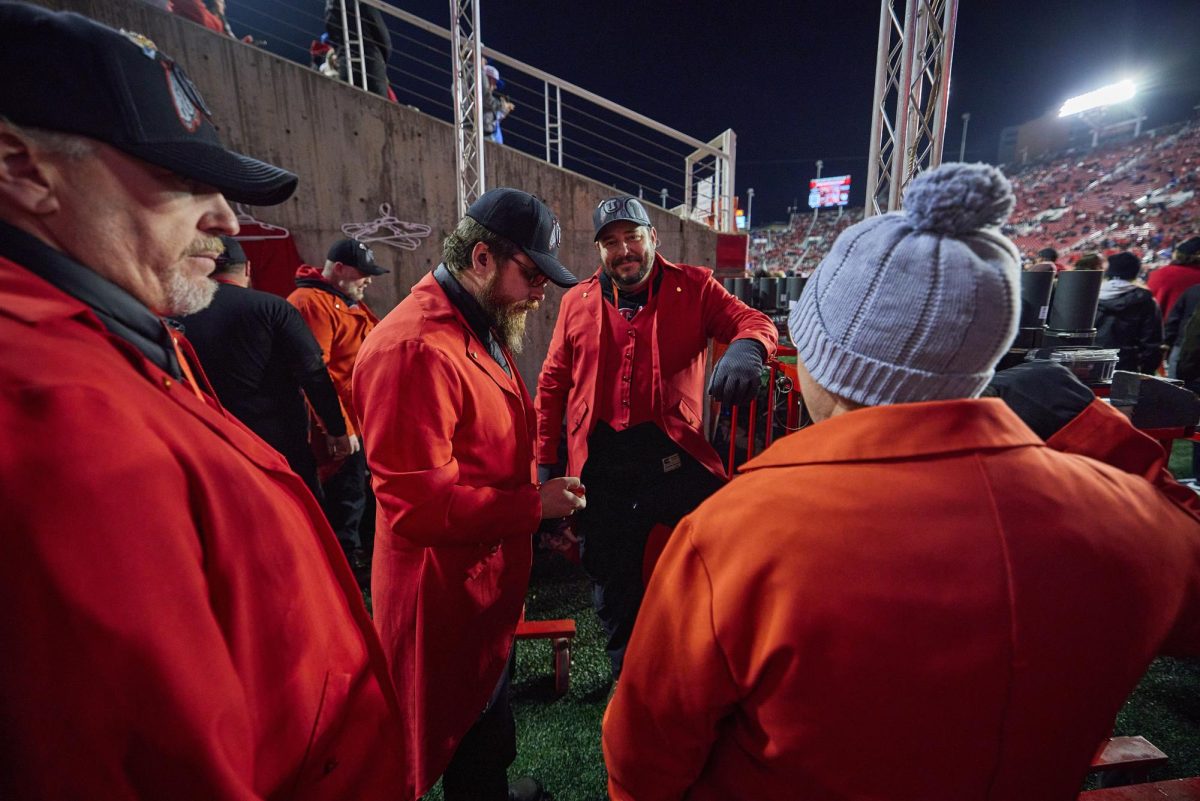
(374, 27)
(259, 355)
(1185, 306)
(1131, 323)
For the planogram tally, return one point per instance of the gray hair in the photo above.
(73, 146)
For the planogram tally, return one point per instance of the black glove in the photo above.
(1044, 394)
(737, 377)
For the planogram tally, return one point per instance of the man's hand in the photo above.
(737, 377)
(1045, 395)
(561, 497)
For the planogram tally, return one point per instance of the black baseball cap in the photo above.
(522, 218)
(623, 207)
(71, 74)
(233, 253)
(355, 254)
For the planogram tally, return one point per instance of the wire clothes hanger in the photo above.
(262, 230)
(388, 230)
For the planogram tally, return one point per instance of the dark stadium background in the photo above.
(794, 79)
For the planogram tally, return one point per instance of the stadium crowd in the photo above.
(1140, 195)
(179, 619)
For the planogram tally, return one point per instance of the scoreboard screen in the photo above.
(825, 192)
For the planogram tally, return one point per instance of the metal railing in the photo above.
(553, 119)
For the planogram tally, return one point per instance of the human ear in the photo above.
(26, 177)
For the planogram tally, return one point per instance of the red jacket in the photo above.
(340, 330)
(1168, 283)
(692, 307)
(197, 12)
(178, 620)
(913, 601)
(448, 438)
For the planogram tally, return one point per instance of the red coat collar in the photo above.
(901, 431)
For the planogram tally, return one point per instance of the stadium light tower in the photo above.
(912, 89)
(1105, 96)
(1104, 110)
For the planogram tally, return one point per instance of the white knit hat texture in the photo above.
(918, 304)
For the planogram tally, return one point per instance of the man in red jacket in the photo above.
(448, 429)
(917, 596)
(626, 371)
(1169, 282)
(176, 617)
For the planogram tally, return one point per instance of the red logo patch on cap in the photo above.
(189, 106)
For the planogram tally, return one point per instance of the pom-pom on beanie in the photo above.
(920, 304)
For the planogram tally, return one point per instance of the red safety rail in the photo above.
(774, 369)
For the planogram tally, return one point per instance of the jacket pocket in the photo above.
(320, 756)
(577, 416)
(688, 414)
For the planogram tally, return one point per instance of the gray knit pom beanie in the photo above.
(920, 304)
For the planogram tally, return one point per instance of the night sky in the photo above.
(795, 79)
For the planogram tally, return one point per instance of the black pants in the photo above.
(345, 500)
(478, 771)
(636, 479)
(377, 80)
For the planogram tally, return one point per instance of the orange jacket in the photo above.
(339, 328)
(692, 307)
(910, 601)
(448, 437)
(178, 620)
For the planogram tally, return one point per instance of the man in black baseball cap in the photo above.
(447, 427)
(634, 435)
(174, 609)
(331, 301)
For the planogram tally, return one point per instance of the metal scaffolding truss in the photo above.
(467, 56)
(912, 89)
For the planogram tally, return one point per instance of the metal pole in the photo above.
(663, 195)
(942, 66)
(904, 107)
(749, 205)
(467, 63)
(962, 145)
(882, 52)
(362, 50)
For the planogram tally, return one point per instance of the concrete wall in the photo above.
(355, 151)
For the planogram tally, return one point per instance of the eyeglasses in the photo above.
(532, 275)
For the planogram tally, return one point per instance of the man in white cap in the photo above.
(916, 597)
(176, 616)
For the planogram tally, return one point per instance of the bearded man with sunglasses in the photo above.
(626, 370)
(448, 428)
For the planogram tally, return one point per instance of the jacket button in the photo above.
(585, 294)
(167, 382)
(329, 765)
(494, 548)
(678, 289)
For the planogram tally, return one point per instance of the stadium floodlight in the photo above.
(1106, 96)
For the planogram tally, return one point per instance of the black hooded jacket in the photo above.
(1131, 322)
